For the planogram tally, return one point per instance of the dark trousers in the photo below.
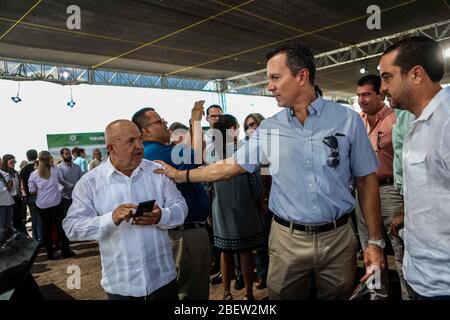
(262, 254)
(65, 203)
(166, 292)
(17, 215)
(54, 216)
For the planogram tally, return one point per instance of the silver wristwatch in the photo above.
(380, 243)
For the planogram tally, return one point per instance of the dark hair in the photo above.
(76, 151)
(213, 106)
(298, 56)
(139, 117)
(5, 160)
(177, 125)
(61, 152)
(31, 155)
(258, 118)
(419, 51)
(372, 79)
(318, 90)
(225, 122)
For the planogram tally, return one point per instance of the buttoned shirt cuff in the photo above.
(107, 223)
(165, 217)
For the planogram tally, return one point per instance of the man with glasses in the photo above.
(190, 241)
(311, 195)
(379, 120)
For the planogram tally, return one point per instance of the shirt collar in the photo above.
(110, 169)
(379, 115)
(315, 107)
(437, 100)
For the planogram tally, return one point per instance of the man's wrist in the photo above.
(379, 243)
(181, 176)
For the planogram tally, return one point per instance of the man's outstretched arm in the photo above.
(218, 171)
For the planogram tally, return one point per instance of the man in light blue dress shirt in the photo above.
(316, 149)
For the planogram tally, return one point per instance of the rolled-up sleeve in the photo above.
(250, 153)
(82, 221)
(174, 209)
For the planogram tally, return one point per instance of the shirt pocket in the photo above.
(417, 168)
(340, 154)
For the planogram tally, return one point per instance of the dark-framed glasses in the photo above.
(159, 121)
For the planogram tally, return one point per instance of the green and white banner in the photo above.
(86, 140)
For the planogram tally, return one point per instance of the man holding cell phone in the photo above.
(137, 260)
(190, 241)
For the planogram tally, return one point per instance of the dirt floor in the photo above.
(55, 277)
(55, 280)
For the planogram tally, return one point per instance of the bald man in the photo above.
(137, 260)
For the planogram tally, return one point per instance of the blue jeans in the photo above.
(6, 215)
(36, 222)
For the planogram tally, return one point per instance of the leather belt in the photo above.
(189, 225)
(313, 228)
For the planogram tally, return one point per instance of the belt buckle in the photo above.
(310, 228)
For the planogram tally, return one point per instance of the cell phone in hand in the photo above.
(146, 206)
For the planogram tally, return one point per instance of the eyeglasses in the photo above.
(250, 125)
(333, 158)
(159, 121)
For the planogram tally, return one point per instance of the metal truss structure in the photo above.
(23, 70)
(253, 83)
(256, 81)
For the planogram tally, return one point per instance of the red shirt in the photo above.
(380, 136)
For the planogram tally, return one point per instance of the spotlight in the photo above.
(378, 67)
(447, 53)
(71, 103)
(362, 70)
(16, 99)
(66, 75)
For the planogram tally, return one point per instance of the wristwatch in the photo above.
(380, 243)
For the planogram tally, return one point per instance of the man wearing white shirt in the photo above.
(136, 255)
(411, 70)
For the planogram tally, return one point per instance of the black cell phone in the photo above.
(146, 206)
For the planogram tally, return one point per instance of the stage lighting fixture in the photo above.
(17, 99)
(71, 103)
(447, 53)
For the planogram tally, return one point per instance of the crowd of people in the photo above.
(294, 200)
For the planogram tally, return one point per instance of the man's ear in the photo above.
(418, 74)
(110, 148)
(302, 77)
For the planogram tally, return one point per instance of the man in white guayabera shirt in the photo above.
(411, 70)
(136, 255)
